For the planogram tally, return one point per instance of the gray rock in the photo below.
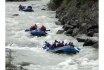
(69, 31)
(95, 45)
(59, 31)
(66, 27)
(90, 33)
(16, 15)
(25, 63)
(43, 9)
(58, 23)
(94, 26)
(90, 41)
(96, 35)
(81, 39)
(94, 30)
(83, 28)
(75, 31)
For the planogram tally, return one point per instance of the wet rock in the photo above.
(90, 41)
(96, 35)
(58, 23)
(11, 67)
(79, 39)
(69, 31)
(16, 15)
(94, 30)
(95, 26)
(57, 13)
(90, 33)
(75, 31)
(25, 63)
(68, 22)
(43, 9)
(83, 28)
(95, 45)
(74, 23)
(66, 27)
(62, 19)
(59, 31)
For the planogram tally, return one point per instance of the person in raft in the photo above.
(33, 27)
(43, 28)
(21, 7)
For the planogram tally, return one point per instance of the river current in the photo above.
(27, 48)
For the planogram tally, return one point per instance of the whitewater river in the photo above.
(27, 48)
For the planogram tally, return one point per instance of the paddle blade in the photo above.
(78, 49)
(47, 30)
(27, 30)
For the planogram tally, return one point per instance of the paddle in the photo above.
(78, 49)
(47, 30)
(27, 30)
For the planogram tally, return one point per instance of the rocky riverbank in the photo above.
(80, 21)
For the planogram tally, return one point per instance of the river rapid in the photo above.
(27, 48)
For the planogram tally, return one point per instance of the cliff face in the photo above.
(79, 19)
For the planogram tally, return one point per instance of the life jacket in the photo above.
(30, 7)
(71, 45)
(33, 27)
(20, 6)
(54, 45)
(23, 7)
(61, 44)
(43, 28)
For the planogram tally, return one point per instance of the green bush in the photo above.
(72, 11)
(54, 4)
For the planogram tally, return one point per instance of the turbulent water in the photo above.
(27, 48)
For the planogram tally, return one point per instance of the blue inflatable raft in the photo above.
(27, 10)
(37, 32)
(64, 49)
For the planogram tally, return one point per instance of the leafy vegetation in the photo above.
(54, 4)
(60, 4)
(9, 58)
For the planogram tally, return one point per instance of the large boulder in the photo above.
(74, 23)
(90, 41)
(58, 23)
(96, 35)
(69, 31)
(94, 30)
(75, 31)
(83, 28)
(24, 63)
(94, 26)
(90, 33)
(81, 39)
(58, 13)
(59, 31)
(95, 45)
(66, 27)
